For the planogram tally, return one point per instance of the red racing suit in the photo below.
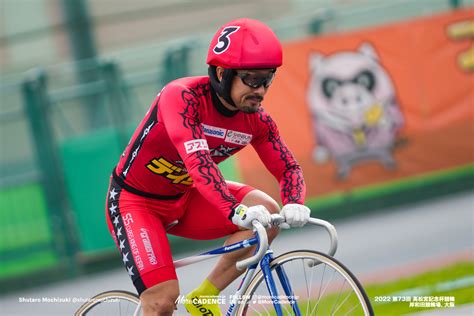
(169, 171)
(185, 134)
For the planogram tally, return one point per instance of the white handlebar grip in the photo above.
(263, 246)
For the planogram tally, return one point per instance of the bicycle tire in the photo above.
(100, 298)
(251, 296)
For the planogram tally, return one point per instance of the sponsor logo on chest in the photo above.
(229, 136)
(213, 131)
(238, 138)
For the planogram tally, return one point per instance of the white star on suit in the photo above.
(125, 257)
(119, 231)
(122, 244)
(116, 221)
(113, 193)
(113, 209)
(130, 272)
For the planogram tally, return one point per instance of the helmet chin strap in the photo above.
(223, 86)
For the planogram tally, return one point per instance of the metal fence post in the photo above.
(120, 107)
(455, 3)
(83, 49)
(176, 63)
(318, 23)
(34, 90)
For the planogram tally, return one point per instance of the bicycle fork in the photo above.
(271, 286)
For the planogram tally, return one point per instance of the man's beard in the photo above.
(252, 109)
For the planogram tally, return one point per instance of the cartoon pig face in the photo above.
(349, 89)
(352, 101)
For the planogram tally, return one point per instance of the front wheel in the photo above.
(320, 286)
(112, 303)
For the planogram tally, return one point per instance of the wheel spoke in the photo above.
(308, 307)
(344, 301)
(324, 290)
(351, 310)
(337, 300)
(308, 287)
(320, 290)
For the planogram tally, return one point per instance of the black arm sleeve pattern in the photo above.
(205, 173)
(286, 169)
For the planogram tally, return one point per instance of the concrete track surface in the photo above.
(380, 246)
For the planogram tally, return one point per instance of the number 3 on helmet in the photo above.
(245, 44)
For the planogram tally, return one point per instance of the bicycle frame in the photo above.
(264, 256)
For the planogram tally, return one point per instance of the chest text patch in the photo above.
(195, 145)
(213, 131)
(238, 138)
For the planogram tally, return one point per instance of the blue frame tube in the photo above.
(265, 266)
(285, 283)
(233, 247)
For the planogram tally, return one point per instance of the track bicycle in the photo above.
(299, 282)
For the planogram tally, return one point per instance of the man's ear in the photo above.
(219, 72)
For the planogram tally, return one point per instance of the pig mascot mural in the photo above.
(354, 110)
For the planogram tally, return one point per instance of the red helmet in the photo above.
(245, 44)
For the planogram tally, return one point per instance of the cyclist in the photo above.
(169, 170)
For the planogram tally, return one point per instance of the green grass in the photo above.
(435, 283)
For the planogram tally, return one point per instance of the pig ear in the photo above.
(315, 61)
(368, 50)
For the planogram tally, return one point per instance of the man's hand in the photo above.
(243, 216)
(296, 215)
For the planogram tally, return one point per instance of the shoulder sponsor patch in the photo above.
(238, 138)
(213, 131)
(195, 145)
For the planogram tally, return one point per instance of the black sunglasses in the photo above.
(254, 80)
